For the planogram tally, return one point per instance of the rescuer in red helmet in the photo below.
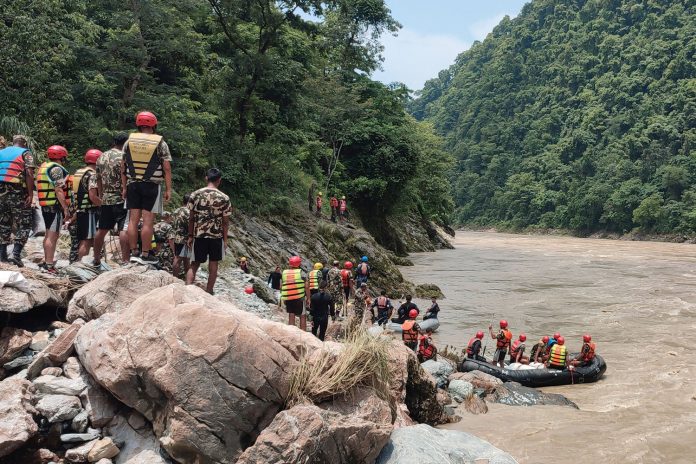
(86, 195)
(146, 167)
(347, 286)
(294, 291)
(517, 349)
(474, 347)
(538, 352)
(502, 342)
(410, 330)
(587, 352)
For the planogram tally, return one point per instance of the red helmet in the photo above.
(545, 339)
(57, 152)
(523, 338)
(587, 338)
(413, 314)
(503, 324)
(561, 340)
(348, 265)
(145, 118)
(556, 336)
(479, 335)
(92, 156)
(295, 261)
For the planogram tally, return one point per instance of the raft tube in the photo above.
(540, 377)
(431, 323)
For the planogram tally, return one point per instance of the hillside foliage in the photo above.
(577, 114)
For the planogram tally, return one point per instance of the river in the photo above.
(636, 299)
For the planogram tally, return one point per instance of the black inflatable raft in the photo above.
(540, 377)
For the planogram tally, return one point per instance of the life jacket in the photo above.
(425, 348)
(558, 355)
(12, 164)
(69, 199)
(589, 356)
(80, 190)
(514, 348)
(333, 202)
(142, 162)
(320, 202)
(363, 269)
(45, 187)
(505, 341)
(345, 277)
(382, 302)
(343, 205)
(470, 346)
(314, 277)
(408, 333)
(293, 285)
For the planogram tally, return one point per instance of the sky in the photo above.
(434, 32)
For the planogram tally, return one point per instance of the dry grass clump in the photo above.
(450, 352)
(364, 361)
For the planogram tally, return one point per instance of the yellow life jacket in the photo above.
(142, 163)
(45, 187)
(293, 286)
(314, 279)
(80, 188)
(558, 355)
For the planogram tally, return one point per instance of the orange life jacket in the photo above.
(425, 348)
(470, 346)
(345, 277)
(382, 302)
(589, 356)
(503, 343)
(408, 333)
(314, 277)
(515, 348)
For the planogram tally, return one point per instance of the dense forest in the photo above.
(577, 114)
(277, 94)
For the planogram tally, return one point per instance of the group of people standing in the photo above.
(339, 207)
(550, 351)
(119, 191)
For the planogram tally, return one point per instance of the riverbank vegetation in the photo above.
(276, 94)
(576, 115)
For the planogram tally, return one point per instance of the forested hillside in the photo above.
(275, 93)
(577, 114)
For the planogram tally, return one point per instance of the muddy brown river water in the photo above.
(636, 299)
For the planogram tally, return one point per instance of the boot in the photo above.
(16, 257)
(3, 253)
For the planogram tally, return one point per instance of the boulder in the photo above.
(514, 394)
(17, 424)
(474, 405)
(422, 444)
(102, 449)
(79, 454)
(37, 294)
(105, 461)
(480, 380)
(18, 362)
(362, 403)
(57, 352)
(309, 434)
(39, 341)
(133, 435)
(12, 343)
(114, 291)
(50, 385)
(90, 435)
(441, 370)
(72, 368)
(99, 405)
(80, 422)
(207, 392)
(58, 408)
(422, 395)
(460, 390)
(54, 371)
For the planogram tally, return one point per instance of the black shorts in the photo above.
(205, 249)
(499, 355)
(346, 291)
(295, 306)
(312, 292)
(144, 195)
(178, 248)
(87, 224)
(112, 215)
(53, 217)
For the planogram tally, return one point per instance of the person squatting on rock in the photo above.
(502, 342)
(146, 166)
(384, 308)
(87, 202)
(180, 219)
(410, 330)
(294, 292)
(426, 349)
(244, 265)
(321, 306)
(207, 228)
(16, 197)
(112, 210)
(51, 186)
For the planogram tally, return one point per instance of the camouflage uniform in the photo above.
(334, 285)
(180, 219)
(210, 206)
(163, 233)
(109, 172)
(362, 295)
(13, 213)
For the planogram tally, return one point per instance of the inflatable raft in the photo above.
(432, 323)
(540, 377)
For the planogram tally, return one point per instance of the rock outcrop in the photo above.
(514, 394)
(12, 342)
(33, 293)
(114, 291)
(16, 422)
(421, 444)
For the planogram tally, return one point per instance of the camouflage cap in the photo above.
(166, 214)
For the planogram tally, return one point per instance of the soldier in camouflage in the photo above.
(180, 219)
(16, 197)
(334, 284)
(361, 302)
(163, 234)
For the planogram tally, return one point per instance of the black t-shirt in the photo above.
(406, 308)
(434, 309)
(476, 347)
(321, 305)
(274, 279)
